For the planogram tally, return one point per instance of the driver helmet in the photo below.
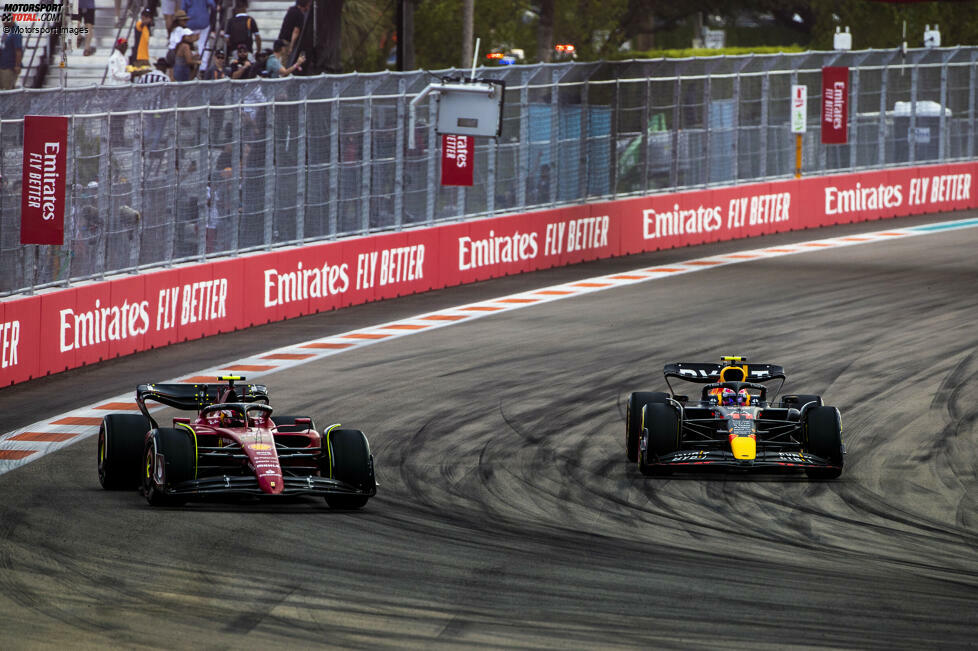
(731, 398)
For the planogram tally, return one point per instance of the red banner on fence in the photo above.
(457, 154)
(85, 324)
(42, 207)
(835, 105)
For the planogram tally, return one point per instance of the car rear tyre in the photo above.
(287, 423)
(347, 458)
(120, 446)
(662, 423)
(633, 419)
(169, 458)
(823, 427)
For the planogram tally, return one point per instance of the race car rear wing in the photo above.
(705, 372)
(194, 397)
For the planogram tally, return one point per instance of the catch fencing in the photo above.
(171, 173)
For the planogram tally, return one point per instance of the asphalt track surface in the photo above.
(507, 515)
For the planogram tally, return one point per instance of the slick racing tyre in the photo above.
(662, 423)
(823, 428)
(347, 458)
(633, 419)
(120, 446)
(169, 458)
(287, 423)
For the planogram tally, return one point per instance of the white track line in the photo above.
(21, 446)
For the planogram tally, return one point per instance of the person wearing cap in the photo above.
(176, 37)
(186, 59)
(117, 64)
(242, 67)
(151, 76)
(140, 40)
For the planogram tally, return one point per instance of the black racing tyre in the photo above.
(287, 423)
(662, 423)
(175, 448)
(120, 448)
(823, 435)
(798, 400)
(633, 419)
(348, 459)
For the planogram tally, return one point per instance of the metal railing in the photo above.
(176, 172)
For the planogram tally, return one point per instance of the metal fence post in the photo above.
(762, 140)
(334, 161)
(854, 119)
(554, 136)
(172, 171)
(270, 176)
(707, 153)
(941, 120)
(912, 134)
(431, 194)
(523, 146)
(491, 177)
(676, 117)
(401, 143)
(583, 157)
(366, 177)
(104, 188)
(136, 241)
(973, 78)
(236, 184)
(613, 141)
(881, 123)
(300, 172)
(204, 207)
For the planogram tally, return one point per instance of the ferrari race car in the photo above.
(235, 446)
(733, 425)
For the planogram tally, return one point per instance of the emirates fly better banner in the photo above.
(57, 330)
(835, 105)
(42, 207)
(457, 154)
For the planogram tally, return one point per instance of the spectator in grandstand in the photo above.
(86, 26)
(276, 63)
(179, 30)
(199, 21)
(218, 68)
(117, 64)
(292, 24)
(150, 76)
(242, 28)
(186, 60)
(242, 67)
(140, 39)
(11, 53)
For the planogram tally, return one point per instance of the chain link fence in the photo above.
(180, 172)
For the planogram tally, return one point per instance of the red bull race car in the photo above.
(733, 424)
(234, 446)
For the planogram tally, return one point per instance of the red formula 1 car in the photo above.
(235, 445)
(733, 425)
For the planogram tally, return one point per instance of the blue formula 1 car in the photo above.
(733, 424)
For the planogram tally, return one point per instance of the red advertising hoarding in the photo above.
(42, 208)
(82, 325)
(457, 157)
(835, 105)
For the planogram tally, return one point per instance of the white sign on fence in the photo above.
(799, 108)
